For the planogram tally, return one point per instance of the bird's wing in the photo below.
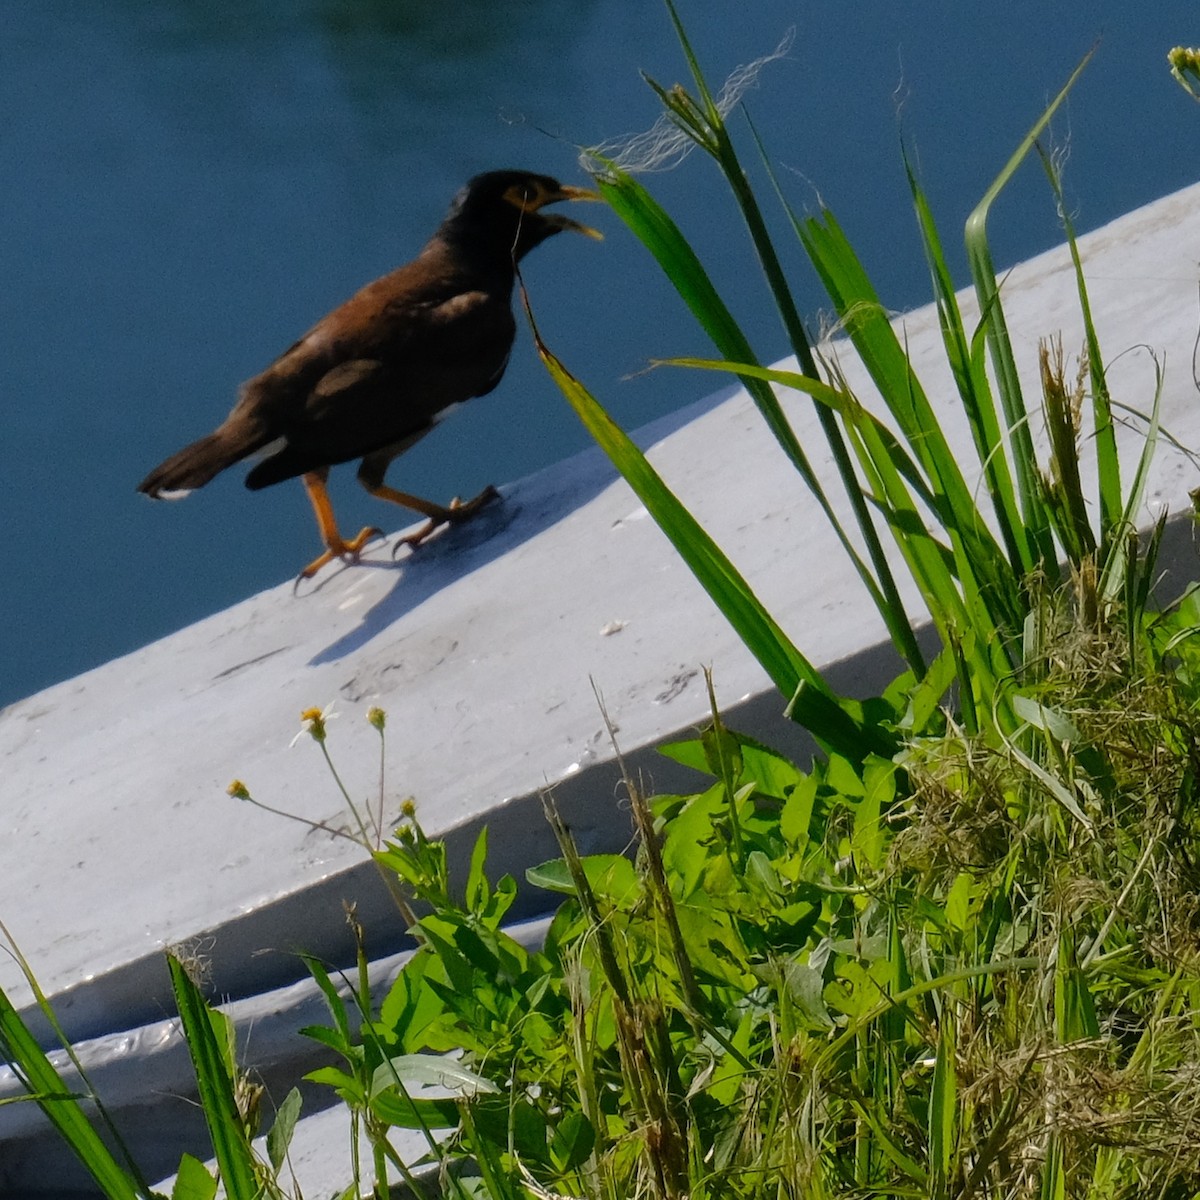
(344, 397)
(417, 360)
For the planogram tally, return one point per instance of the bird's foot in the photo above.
(346, 551)
(458, 512)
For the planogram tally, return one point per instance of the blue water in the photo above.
(185, 188)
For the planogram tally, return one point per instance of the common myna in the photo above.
(377, 374)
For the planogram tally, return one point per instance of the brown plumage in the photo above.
(375, 375)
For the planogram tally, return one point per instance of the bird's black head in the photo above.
(500, 213)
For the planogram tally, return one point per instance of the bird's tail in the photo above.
(196, 464)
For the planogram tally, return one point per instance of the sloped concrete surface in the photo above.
(483, 648)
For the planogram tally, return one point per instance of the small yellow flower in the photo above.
(238, 790)
(1185, 66)
(1183, 58)
(408, 808)
(377, 717)
(312, 722)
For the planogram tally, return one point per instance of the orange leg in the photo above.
(314, 483)
(438, 516)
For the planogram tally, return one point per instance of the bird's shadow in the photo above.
(524, 510)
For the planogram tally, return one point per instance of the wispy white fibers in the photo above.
(666, 143)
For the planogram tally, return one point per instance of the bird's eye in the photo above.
(523, 196)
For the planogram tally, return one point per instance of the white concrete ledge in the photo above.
(481, 647)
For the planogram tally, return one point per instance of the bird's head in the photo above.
(503, 212)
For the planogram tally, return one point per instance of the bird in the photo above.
(379, 372)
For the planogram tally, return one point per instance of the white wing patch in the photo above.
(443, 413)
(461, 303)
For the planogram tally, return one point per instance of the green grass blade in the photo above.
(977, 555)
(1074, 1006)
(231, 1145)
(20, 1050)
(813, 704)
(886, 464)
(892, 606)
(973, 385)
(1104, 432)
(943, 1106)
(983, 273)
(1054, 1174)
(887, 361)
(1118, 561)
(647, 220)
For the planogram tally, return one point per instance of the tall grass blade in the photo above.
(648, 221)
(943, 1106)
(893, 610)
(704, 122)
(20, 1050)
(974, 387)
(889, 470)
(983, 273)
(1119, 561)
(1104, 433)
(812, 703)
(231, 1145)
(979, 560)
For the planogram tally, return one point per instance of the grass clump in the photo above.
(969, 971)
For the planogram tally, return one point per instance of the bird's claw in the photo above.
(457, 512)
(347, 552)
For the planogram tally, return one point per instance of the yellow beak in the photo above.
(568, 192)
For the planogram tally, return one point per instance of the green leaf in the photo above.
(867, 841)
(610, 876)
(806, 987)
(796, 818)
(410, 1006)
(329, 1037)
(572, 1141)
(925, 697)
(393, 1107)
(689, 838)
(958, 902)
(193, 1181)
(1059, 727)
(689, 753)
(504, 1122)
(346, 1086)
(282, 1128)
(477, 890)
(333, 999)
(438, 1071)
(711, 946)
(503, 896)
(879, 789)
